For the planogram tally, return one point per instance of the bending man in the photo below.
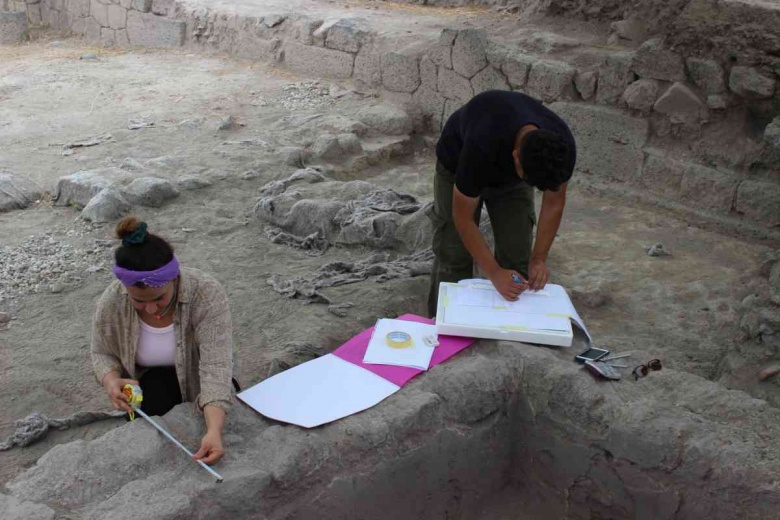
(495, 150)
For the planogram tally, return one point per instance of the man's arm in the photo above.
(550, 216)
(463, 208)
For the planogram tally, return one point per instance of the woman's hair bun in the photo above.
(126, 227)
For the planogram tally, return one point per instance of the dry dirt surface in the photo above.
(683, 308)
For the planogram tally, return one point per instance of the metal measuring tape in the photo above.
(135, 397)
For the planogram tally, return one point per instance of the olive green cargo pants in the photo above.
(512, 217)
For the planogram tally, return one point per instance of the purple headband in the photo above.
(156, 278)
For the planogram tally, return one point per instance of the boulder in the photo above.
(386, 119)
(13, 27)
(150, 191)
(106, 206)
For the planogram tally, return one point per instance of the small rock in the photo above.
(88, 57)
(748, 82)
(227, 123)
(326, 147)
(56, 44)
(250, 174)
(4, 318)
(131, 165)
(191, 123)
(192, 182)
(291, 155)
(277, 366)
(340, 309)
(57, 288)
(657, 250)
(590, 299)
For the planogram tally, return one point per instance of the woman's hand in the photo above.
(211, 449)
(113, 384)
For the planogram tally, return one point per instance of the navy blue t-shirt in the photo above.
(478, 138)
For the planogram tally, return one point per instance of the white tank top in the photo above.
(156, 346)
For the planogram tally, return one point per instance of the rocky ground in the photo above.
(219, 131)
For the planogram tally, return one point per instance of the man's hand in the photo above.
(505, 285)
(538, 275)
(211, 449)
(113, 384)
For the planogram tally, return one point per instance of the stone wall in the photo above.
(669, 446)
(702, 132)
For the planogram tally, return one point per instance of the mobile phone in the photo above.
(592, 354)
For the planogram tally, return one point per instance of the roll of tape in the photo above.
(398, 339)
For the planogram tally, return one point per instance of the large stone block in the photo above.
(386, 119)
(641, 94)
(368, 67)
(149, 191)
(79, 8)
(13, 27)
(516, 66)
(661, 175)
(454, 86)
(468, 52)
(400, 72)
(142, 6)
(760, 201)
(708, 189)
(585, 83)
(431, 104)
(107, 37)
(348, 35)
(79, 188)
(92, 30)
(748, 82)
(428, 73)
(707, 75)
(15, 509)
(680, 103)
(548, 80)
(488, 79)
(99, 11)
(17, 192)
(304, 28)
(106, 206)
(162, 7)
(615, 75)
(148, 30)
(318, 61)
(441, 52)
(609, 143)
(652, 61)
(117, 17)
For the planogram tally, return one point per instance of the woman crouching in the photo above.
(166, 329)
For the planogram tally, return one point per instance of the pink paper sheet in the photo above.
(354, 350)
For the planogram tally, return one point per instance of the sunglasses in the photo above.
(643, 370)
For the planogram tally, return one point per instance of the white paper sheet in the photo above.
(418, 355)
(318, 392)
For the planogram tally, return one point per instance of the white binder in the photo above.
(473, 308)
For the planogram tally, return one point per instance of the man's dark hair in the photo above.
(544, 157)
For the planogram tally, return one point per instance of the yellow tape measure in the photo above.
(134, 398)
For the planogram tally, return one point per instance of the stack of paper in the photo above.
(417, 355)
